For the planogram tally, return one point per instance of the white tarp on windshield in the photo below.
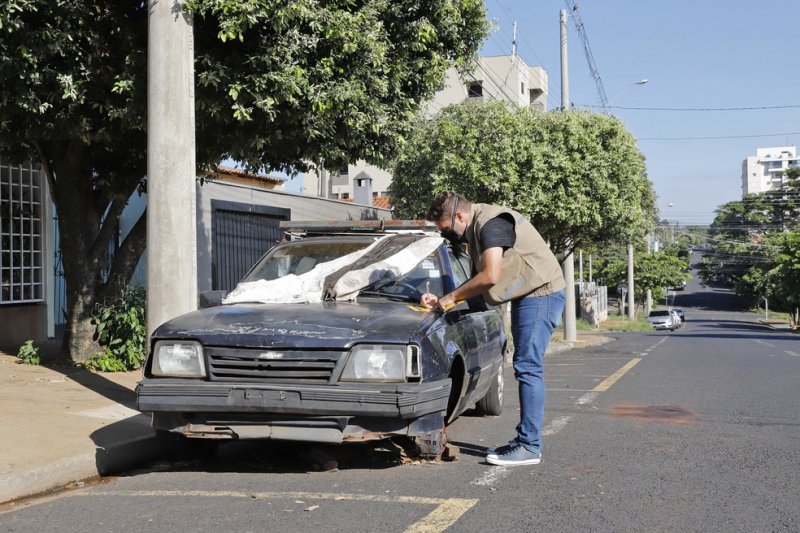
(392, 267)
(308, 287)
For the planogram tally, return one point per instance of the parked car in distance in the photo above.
(681, 313)
(331, 370)
(663, 319)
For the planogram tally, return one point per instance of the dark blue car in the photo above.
(330, 371)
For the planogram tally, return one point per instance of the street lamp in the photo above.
(640, 82)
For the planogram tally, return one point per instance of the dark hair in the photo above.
(444, 203)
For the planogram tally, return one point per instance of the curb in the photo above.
(58, 474)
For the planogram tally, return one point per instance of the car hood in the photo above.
(315, 325)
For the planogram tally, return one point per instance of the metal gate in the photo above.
(242, 233)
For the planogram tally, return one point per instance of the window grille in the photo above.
(21, 240)
(242, 234)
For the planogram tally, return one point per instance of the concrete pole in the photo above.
(631, 301)
(171, 169)
(568, 266)
(564, 69)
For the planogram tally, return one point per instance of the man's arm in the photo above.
(477, 285)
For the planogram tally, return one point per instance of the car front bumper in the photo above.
(298, 412)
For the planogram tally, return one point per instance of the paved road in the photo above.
(691, 430)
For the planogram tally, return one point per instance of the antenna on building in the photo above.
(514, 42)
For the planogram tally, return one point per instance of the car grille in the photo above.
(272, 366)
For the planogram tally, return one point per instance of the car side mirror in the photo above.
(210, 298)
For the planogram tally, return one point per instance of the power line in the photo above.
(719, 137)
(587, 51)
(692, 109)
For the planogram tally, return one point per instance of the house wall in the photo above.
(26, 258)
(21, 323)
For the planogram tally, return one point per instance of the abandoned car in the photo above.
(323, 340)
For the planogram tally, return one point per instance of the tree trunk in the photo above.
(87, 218)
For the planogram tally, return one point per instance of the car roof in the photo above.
(301, 228)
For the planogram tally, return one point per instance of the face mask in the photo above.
(450, 234)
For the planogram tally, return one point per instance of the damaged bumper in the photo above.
(297, 412)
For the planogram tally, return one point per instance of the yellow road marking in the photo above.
(765, 343)
(789, 352)
(446, 513)
(610, 380)
(444, 516)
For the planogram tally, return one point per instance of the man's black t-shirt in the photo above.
(498, 231)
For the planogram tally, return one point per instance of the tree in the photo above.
(739, 237)
(576, 175)
(651, 271)
(280, 85)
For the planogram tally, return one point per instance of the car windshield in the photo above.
(300, 257)
(659, 313)
(425, 277)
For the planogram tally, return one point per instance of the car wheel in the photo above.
(492, 403)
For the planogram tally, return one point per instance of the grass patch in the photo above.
(773, 315)
(621, 323)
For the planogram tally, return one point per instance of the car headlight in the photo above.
(181, 359)
(382, 363)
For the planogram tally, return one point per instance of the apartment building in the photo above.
(766, 171)
(497, 78)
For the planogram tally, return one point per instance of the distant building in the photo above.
(498, 78)
(766, 171)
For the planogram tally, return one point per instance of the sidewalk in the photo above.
(62, 425)
(58, 426)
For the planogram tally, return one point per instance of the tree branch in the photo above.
(47, 169)
(126, 258)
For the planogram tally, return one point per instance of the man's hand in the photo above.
(431, 301)
(428, 300)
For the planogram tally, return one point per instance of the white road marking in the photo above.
(496, 473)
(492, 476)
(587, 398)
(789, 352)
(765, 343)
(555, 426)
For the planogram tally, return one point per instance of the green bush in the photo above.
(29, 354)
(122, 332)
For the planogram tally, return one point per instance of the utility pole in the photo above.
(631, 308)
(171, 169)
(568, 266)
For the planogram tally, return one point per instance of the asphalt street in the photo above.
(691, 430)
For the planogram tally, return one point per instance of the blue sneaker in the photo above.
(502, 449)
(515, 455)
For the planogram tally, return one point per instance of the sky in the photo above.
(695, 55)
(706, 54)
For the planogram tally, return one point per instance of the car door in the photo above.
(487, 328)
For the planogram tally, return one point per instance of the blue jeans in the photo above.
(533, 320)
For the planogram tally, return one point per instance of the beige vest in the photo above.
(529, 268)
